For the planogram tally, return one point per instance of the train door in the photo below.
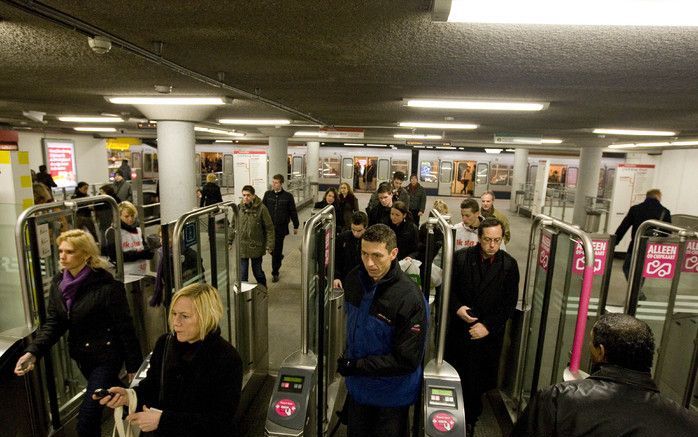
(297, 166)
(571, 178)
(445, 177)
(367, 173)
(481, 178)
(383, 171)
(347, 171)
(463, 177)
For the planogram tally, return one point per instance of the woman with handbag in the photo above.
(91, 305)
(195, 377)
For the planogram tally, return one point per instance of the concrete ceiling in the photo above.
(345, 64)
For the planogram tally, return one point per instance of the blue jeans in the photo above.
(257, 271)
(90, 416)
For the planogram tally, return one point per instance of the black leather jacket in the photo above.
(99, 323)
(613, 401)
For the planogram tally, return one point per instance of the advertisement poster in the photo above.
(600, 252)
(59, 156)
(250, 168)
(660, 260)
(544, 251)
(690, 260)
(629, 188)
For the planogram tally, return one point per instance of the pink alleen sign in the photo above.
(690, 259)
(600, 252)
(544, 251)
(660, 260)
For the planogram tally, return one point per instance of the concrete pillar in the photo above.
(587, 182)
(519, 176)
(176, 168)
(278, 157)
(312, 161)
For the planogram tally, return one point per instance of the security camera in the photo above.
(99, 44)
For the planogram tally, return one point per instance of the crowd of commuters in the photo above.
(195, 378)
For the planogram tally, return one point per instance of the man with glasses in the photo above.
(484, 291)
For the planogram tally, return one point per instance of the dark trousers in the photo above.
(90, 416)
(415, 216)
(257, 271)
(278, 254)
(367, 420)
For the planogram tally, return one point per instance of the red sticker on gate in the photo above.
(285, 407)
(443, 421)
(544, 251)
(600, 250)
(690, 259)
(660, 260)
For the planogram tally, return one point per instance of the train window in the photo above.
(446, 172)
(499, 174)
(532, 171)
(400, 165)
(147, 163)
(329, 167)
(297, 168)
(571, 179)
(347, 168)
(384, 170)
(428, 171)
(481, 174)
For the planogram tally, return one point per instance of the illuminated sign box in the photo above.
(59, 156)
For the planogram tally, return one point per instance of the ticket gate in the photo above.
(442, 395)
(663, 292)
(565, 287)
(56, 387)
(200, 242)
(308, 391)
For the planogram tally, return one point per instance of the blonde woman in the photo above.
(86, 301)
(210, 191)
(195, 377)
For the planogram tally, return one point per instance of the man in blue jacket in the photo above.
(387, 324)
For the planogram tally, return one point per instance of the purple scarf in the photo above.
(69, 286)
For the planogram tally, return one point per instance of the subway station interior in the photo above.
(566, 117)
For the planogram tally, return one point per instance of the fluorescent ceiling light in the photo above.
(223, 141)
(484, 105)
(179, 101)
(377, 145)
(447, 148)
(218, 131)
(551, 141)
(353, 144)
(684, 143)
(254, 121)
(77, 119)
(587, 12)
(417, 137)
(510, 150)
(639, 133)
(418, 124)
(654, 144)
(493, 151)
(304, 133)
(94, 129)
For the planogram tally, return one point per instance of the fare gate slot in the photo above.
(291, 408)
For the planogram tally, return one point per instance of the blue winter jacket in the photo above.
(387, 324)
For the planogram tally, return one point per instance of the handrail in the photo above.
(683, 233)
(447, 254)
(72, 204)
(321, 216)
(587, 281)
(178, 227)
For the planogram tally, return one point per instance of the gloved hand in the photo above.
(346, 367)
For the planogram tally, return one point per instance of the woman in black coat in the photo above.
(330, 198)
(210, 191)
(347, 204)
(405, 231)
(201, 373)
(91, 305)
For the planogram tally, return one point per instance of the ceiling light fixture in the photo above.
(417, 137)
(178, 101)
(223, 141)
(654, 144)
(484, 105)
(588, 12)
(254, 121)
(353, 144)
(94, 129)
(551, 141)
(493, 151)
(305, 133)
(639, 133)
(376, 145)
(418, 124)
(78, 119)
(218, 131)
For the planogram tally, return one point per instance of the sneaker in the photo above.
(274, 278)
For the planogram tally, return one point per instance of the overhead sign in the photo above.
(517, 139)
(352, 133)
(600, 253)
(660, 260)
(59, 156)
(9, 140)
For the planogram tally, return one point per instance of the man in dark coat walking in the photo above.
(484, 292)
(282, 208)
(650, 209)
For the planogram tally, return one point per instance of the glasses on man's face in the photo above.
(488, 240)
